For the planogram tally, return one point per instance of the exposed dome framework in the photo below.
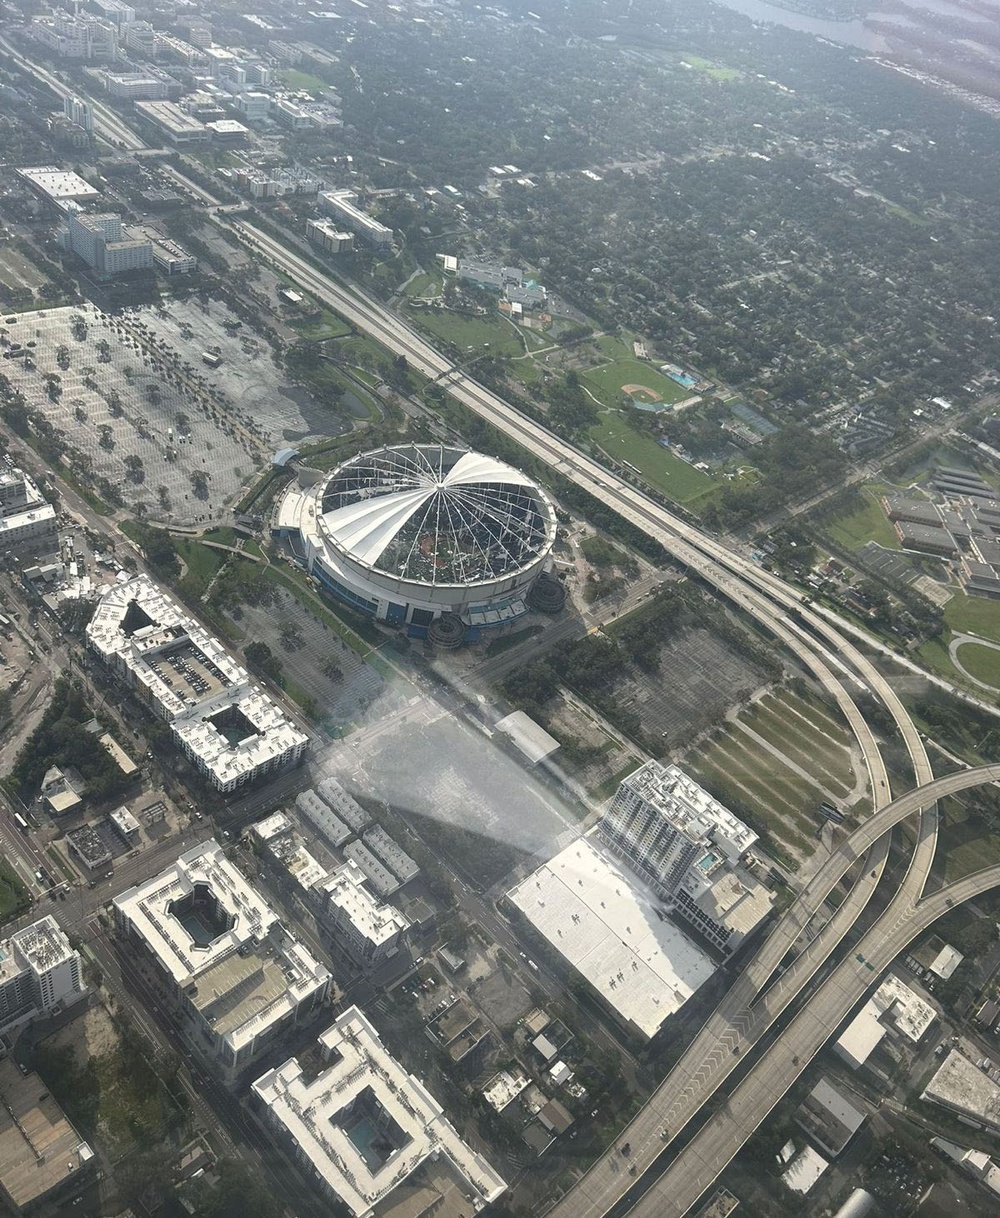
(436, 515)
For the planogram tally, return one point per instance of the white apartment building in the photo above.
(141, 39)
(226, 725)
(39, 972)
(342, 204)
(104, 245)
(225, 964)
(79, 112)
(329, 236)
(27, 522)
(369, 929)
(689, 847)
(365, 1128)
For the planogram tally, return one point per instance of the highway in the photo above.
(818, 643)
(107, 124)
(698, 1165)
(774, 605)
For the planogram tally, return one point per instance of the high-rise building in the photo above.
(39, 971)
(103, 244)
(342, 204)
(689, 848)
(76, 37)
(79, 112)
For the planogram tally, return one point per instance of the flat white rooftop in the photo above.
(528, 736)
(804, 1170)
(893, 1005)
(376, 921)
(959, 1084)
(217, 714)
(59, 184)
(611, 928)
(332, 1120)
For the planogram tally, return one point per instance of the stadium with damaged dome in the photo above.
(440, 541)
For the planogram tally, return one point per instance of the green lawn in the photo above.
(327, 325)
(606, 382)
(867, 523)
(806, 746)
(677, 479)
(473, 334)
(714, 70)
(424, 285)
(965, 845)
(202, 563)
(294, 79)
(974, 615)
(982, 662)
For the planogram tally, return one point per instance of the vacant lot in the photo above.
(865, 522)
(777, 761)
(469, 800)
(490, 332)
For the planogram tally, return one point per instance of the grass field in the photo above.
(677, 479)
(714, 70)
(424, 284)
(974, 615)
(470, 333)
(868, 523)
(327, 325)
(294, 79)
(965, 845)
(980, 661)
(606, 382)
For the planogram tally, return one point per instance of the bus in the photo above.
(22, 824)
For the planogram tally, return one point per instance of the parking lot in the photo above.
(138, 406)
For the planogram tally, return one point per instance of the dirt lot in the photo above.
(90, 1035)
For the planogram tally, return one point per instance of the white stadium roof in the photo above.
(436, 514)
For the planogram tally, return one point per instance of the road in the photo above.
(698, 1165)
(816, 641)
(107, 124)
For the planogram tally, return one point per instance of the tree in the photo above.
(106, 436)
(134, 468)
(260, 658)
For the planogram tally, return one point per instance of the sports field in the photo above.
(677, 479)
(780, 759)
(714, 70)
(608, 382)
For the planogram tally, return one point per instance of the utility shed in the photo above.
(528, 736)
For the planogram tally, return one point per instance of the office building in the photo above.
(141, 39)
(254, 106)
(138, 86)
(27, 522)
(343, 206)
(172, 123)
(292, 115)
(114, 11)
(370, 930)
(329, 236)
(369, 1133)
(82, 36)
(690, 848)
(230, 730)
(228, 971)
(104, 245)
(43, 1160)
(79, 112)
(39, 973)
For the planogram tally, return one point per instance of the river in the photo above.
(850, 33)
